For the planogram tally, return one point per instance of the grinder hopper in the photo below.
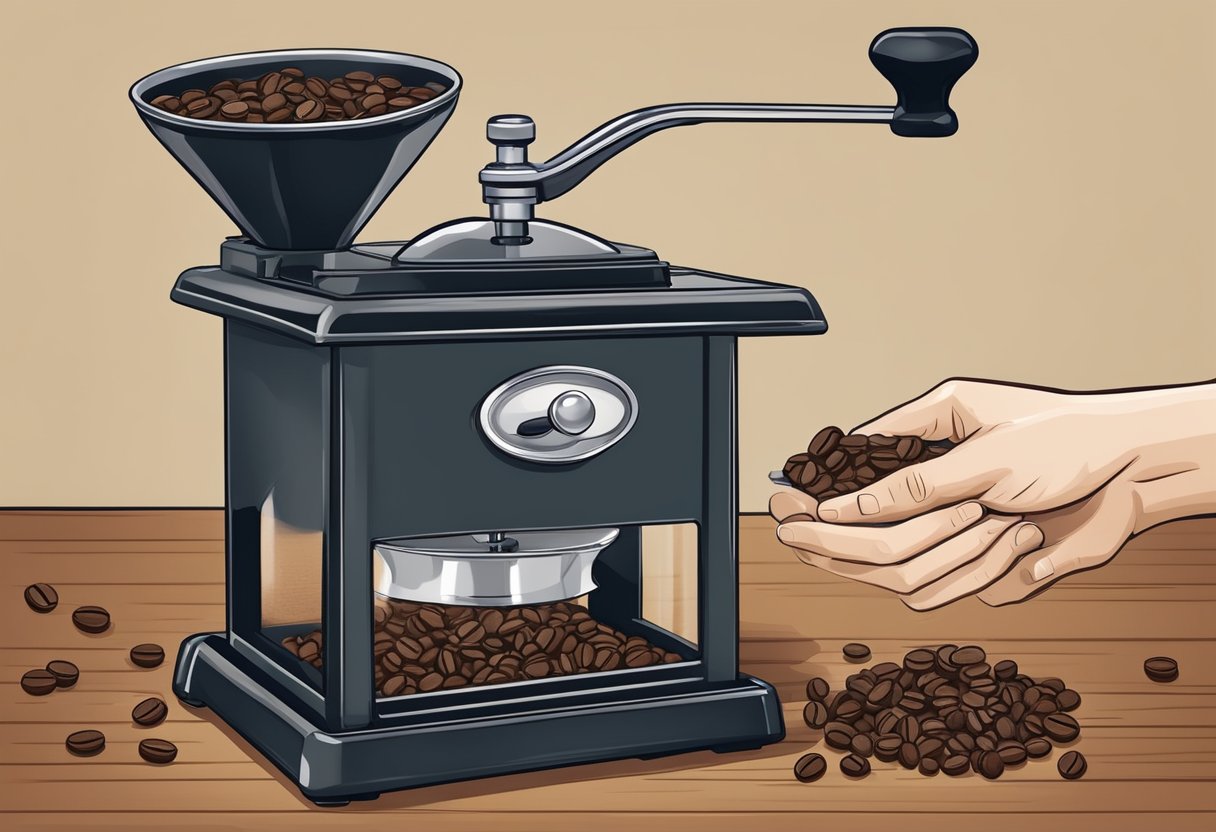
(299, 186)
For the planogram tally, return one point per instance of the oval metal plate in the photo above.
(528, 396)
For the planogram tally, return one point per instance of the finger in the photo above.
(1091, 546)
(970, 579)
(916, 573)
(933, 415)
(914, 490)
(788, 502)
(882, 544)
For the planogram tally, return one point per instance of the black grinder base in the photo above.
(599, 724)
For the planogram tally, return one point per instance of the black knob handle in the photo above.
(923, 65)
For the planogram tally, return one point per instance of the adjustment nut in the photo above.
(511, 130)
(572, 412)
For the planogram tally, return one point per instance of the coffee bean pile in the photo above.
(944, 709)
(60, 674)
(836, 463)
(287, 96)
(425, 647)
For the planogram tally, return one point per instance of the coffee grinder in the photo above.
(501, 413)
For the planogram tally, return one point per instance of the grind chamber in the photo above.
(481, 508)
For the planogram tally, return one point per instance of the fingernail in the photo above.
(970, 511)
(785, 534)
(1028, 537)
(867, 504)
(828, 513)
(1044, 568)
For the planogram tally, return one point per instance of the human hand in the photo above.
(1069, 477)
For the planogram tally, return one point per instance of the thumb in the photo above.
(910, 491)
(933, 415)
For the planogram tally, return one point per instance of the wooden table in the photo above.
(1151, 747)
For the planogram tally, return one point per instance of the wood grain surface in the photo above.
(1151, 747)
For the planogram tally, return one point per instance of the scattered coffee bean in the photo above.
(157, 751)
(1161, 669)
(836, 464)
(66, 674)
(810, 767)
(815, 714)
(854, 766)
(947, 709)
(151, 711)
(86, 743)
(38, 682)
(288, 96)
(91, 619)
(818, 689)
(147, 655)
(41, 597)
(1072, 765)
(855, 652)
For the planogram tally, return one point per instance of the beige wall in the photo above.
(1062, 237)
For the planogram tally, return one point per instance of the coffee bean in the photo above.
(235, 110)
(838, 737)
(856, 652)
(41, 597)
(810, 767)
(1061, 727)
(66, 674)
(815, 714)
(886, 747)
(818, 688)
(1011, 752)
(991, 765)
(825, 441)
(1161, 669)
(956, 765)
(1068, 700)
(309, 110)
(147, 655)
(1038, 747)
(968, 655)
(151, 711)
(1005, 670)
(38, 682)
(91, 619)
(919, 660)
(862, 745)
(1072, 765)
(85, 743)
(909, 755)
(854, 766)
(928, 766)
(157, 751)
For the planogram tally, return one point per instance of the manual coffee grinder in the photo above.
(502, 420)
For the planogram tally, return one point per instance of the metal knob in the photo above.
(572, 412)
(511, 129)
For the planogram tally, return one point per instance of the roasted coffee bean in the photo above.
(968, 655)
(837, 736)
(66, 674)
(862, 745)
(91, 619)
(151, 711)
(85, 743)
(856, 652)
(810, 767)
(38, 682)
(1068, 700)
(1072, 765)
(991, 765)
(928, 766)
(818, 688)
(41, 597)
(815, 714)
(157, 751)
(956, 765)
(309, 110)
(919, 660)
(825, 441)
(909, 447)
(909, 755)
(1061, 727)
(147, 655)
(854, 766)
(1038, 747)
(886, 747)
(1161, 669)
(847, 709)
(1011, 752)
(1005, 670)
